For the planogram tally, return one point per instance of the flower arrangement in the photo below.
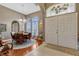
(60, 8)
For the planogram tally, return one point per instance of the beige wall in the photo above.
(77, 10)
(77, 7)
(7, 16)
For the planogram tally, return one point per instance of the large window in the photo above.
(32, 26)
(28, 26)
(35, 22)
(61, 8)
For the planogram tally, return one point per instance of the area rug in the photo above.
(26, 44)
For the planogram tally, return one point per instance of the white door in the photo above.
(67, 30)
(51, 30)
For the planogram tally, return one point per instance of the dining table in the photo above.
(21, 37)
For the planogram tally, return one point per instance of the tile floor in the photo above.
(43, 49)
(46, 51)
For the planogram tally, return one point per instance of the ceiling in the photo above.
(24, 8)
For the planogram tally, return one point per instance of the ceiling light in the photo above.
(20, 20)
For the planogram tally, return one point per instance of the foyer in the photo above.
(39, 29)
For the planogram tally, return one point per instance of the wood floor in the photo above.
(23, 51)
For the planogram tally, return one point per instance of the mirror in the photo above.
(15, 26)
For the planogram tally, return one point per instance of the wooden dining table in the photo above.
(21, 37)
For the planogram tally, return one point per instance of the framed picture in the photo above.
(2, 27)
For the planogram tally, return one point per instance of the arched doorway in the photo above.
(15, 26)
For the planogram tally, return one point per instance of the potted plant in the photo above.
(41, 37)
